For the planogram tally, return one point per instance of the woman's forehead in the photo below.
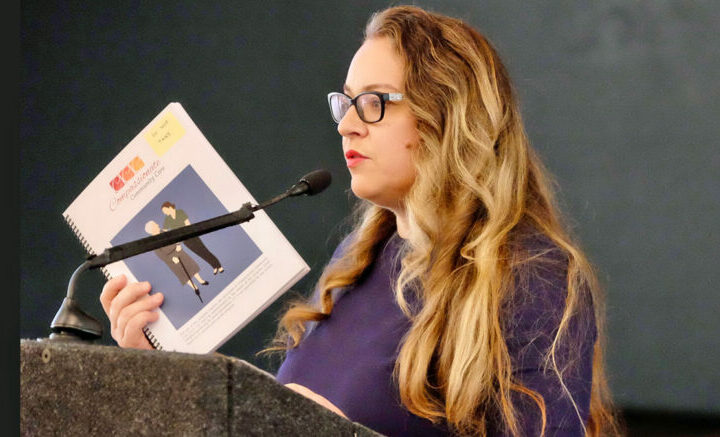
(376, 63)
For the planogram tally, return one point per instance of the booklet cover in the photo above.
(170, 176)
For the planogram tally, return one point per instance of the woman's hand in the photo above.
(315, 397)
(130, 308)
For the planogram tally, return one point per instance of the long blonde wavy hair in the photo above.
(480, 192)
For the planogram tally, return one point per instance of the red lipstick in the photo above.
(353, 158)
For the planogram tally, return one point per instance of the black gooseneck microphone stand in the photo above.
(71, 323)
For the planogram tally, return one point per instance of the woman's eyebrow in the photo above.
(370, 87)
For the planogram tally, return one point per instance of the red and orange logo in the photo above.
(127, 173)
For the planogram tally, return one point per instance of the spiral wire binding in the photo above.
(148, 333)
(151, 338)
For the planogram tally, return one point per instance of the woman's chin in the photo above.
(360, 192)
(363, 191)
(375, 198)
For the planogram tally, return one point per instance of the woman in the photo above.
(458, 303)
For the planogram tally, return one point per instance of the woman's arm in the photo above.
(536, 313)
(315, 397)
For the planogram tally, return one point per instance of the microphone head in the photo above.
(316, 181)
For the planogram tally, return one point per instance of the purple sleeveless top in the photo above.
(349, 357)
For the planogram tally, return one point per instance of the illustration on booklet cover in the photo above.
(190, 274)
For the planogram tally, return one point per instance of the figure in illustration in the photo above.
(175, 218)
(179, 262)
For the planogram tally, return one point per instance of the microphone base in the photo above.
(67, 337)
(72, 321)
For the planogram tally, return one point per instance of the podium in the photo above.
(74, 388)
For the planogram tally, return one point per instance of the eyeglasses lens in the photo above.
(369, 107)
(339, 105)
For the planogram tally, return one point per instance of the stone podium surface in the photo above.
(80, 389)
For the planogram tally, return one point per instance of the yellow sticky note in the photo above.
(164, 134)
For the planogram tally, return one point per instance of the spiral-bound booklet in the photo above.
(170, 176)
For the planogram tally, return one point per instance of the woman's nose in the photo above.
(351, 124)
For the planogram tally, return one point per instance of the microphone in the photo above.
(312, 183)
(72, 323)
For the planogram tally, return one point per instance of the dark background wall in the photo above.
(620, 98)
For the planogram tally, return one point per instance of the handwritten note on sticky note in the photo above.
(164, 134)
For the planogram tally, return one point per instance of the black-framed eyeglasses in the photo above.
(370, 106)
